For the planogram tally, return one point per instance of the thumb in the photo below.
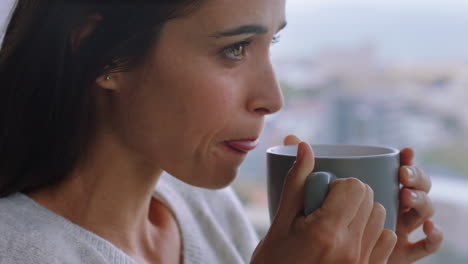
(292, 196)
(291, 140)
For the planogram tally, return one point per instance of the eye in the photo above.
(276, 39)
(236, 51)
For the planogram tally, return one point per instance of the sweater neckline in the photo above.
(111, 252)
(108, 250)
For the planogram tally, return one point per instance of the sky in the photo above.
(400, 30)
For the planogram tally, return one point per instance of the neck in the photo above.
(109, 194)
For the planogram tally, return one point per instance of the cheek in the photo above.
(137, 124)
(177, 113)
(200, 100)
(178, 123)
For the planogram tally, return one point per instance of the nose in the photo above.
(265, 93)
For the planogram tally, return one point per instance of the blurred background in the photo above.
(384, 72)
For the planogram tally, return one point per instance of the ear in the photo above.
(109, 81)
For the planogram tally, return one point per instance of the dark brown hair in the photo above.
(47, 104)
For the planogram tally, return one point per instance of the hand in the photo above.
(415, 210)
(348, 228)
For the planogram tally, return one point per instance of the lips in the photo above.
(242, 146)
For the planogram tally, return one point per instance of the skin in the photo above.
(416, 209)
(173, 113)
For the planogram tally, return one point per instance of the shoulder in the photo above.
(22, 241)
(31, 234)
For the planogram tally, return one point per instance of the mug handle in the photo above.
(316, 189)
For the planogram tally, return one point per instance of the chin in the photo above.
(213, 181)
(218, 181)
(219, 184)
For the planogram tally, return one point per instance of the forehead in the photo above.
(226, 13)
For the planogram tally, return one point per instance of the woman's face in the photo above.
(199, 105)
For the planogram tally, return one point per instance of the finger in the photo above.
(292, 197)
(343, 200)
(427, 246)
(421, 210)
(372, 232)
(291, 140)
(406, 157)
(383, 247)
(414, 177)
(358, 224)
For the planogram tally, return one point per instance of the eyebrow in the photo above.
(246, 29)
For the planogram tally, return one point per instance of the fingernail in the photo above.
(435, 227)
(414, 196)
(410, 174)
(431, 224)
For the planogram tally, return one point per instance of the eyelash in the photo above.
(276, 39)
(229, 51)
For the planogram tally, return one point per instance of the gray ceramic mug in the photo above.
(376, 166)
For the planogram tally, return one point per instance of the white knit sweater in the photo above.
(213, 225)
